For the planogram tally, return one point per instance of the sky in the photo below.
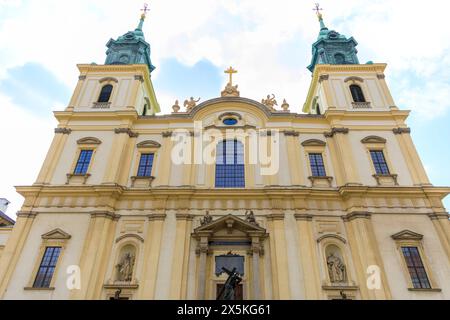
(192, 42)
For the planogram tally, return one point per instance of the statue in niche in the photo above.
(230, 91)
(206, 219)
(125, 267)
(191, 103)
(270, 102)
(336, 269)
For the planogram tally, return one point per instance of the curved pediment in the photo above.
(373, 139)
(89, 140)
(148, 144)
(313, 142)
(237, 101)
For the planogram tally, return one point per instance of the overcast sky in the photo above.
(192, 42)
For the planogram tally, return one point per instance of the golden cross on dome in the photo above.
(230, 71)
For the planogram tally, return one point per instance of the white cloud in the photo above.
(24, 140)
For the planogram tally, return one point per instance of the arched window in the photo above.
(230, 164)
(105, 94)
(357, 93)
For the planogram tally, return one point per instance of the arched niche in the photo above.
(124, 268)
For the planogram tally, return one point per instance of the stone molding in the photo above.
(334, 131)
(63, 130)
(128, 131)
(357, 215)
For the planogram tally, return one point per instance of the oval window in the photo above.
(230, 121)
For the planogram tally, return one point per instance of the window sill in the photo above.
(101, 105)
(425, 290)
(39, 289)
(386, 179)
(142, 182)
(77, 178)
(321, 181)
(361, 105)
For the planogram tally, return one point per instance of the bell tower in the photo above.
(123, 83)
(339, 81)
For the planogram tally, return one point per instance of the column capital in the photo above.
(157, 217)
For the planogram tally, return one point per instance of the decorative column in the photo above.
(278, 253)
(163, 178)
(308, 255)
(152, 250)
(53, 155)
(256, 251)
(202, 251)
(345, 164)
(181, 255)
(365, 253)
(95, 255)
(118, 154)
(412, 159)
(13, 249)
(293, 152)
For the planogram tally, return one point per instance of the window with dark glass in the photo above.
(83, 162)
(317, 166)
(47, 267)
(145, 165)
(105, 94)
(357, 93)
(379, 162)
(230, 164)
(415, 267)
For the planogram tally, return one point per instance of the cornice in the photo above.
(357, 215)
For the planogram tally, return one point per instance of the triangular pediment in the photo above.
(407, 235)
(230, 222)
(56, 234)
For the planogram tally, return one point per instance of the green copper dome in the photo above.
(131, 48)
(333, 48)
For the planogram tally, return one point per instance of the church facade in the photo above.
(333, 202)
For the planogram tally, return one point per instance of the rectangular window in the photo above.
(317, 166)
(145, 165)
(47, 267)
(379, 162)
(83, 162)
(416, 269)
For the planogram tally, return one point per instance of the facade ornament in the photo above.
(190, 104)
(63, 130)
(176, 107)
(285, 106)
(125, 268)
(230, 91)
(336, 269)
(206, 219)
(250, 217)
(270, 102)
(128, 131)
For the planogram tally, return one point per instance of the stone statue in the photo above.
(250, 217)
(230, 91)
(270, 102)
(229, 289)
(176, 107)
(191, 103)
(285, 106)
(336, 269)
(206, 219)
(125, 267)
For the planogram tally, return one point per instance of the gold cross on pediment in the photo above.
(230, 71)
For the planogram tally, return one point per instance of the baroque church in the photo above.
(328, 203)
